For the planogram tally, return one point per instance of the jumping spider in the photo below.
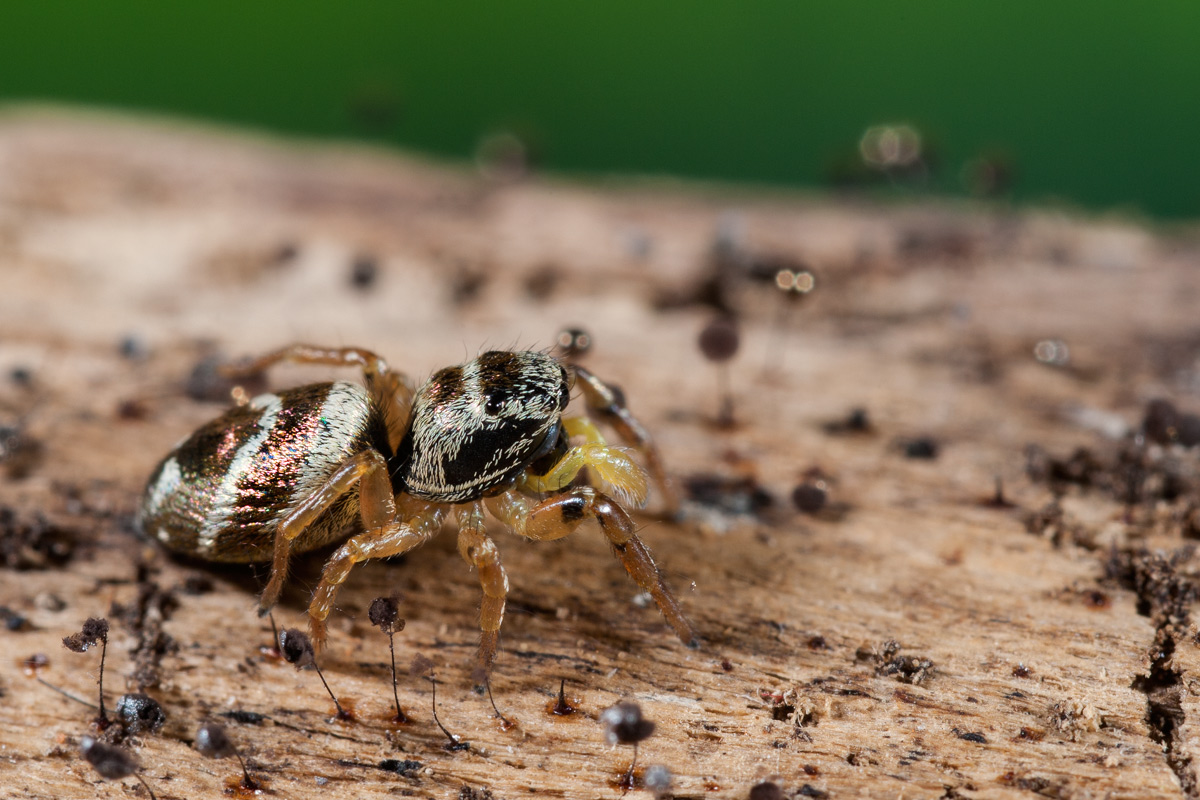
(306, 467)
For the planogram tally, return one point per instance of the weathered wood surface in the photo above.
(1048, 677)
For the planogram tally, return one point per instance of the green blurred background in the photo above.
(1094, 104)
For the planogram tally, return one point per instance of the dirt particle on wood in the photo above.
(32, 542)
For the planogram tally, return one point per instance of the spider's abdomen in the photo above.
(477, 426)
(221, 494)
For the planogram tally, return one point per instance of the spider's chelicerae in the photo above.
(295, 470)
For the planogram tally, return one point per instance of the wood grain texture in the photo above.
(1062, 660)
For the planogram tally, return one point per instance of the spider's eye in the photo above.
(495, 403)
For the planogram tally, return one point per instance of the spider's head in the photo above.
(477, 426)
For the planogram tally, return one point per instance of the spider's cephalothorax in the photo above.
(477, 426)
(381, 468)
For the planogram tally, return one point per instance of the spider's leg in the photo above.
(611, 465)
(368, 470)
(390, 539)
(392, 390)
(560, 515)
(478, 549)
(607, 402)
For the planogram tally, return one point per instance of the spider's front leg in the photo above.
(478, 549)
(560, 515)
(607, 402)
(390, 539)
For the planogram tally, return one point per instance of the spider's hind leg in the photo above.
(392, 390)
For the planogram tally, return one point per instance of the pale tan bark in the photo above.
(178, 237)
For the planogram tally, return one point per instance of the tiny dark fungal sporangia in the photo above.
(573, 343)
(657, 780)
(140, 713)
(766, 791)
(213, 742)
(856, 421)
(422, 667)
(364, 271)
(95, 630)
(561, 708)
(809, 498)
(719, 341)
(384, 613)
(624, 724)
(111, 762)
(297, 650)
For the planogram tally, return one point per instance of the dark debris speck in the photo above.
(245, 717)
(14, 621)
(731, 495)
(33, 542)
(405, 767)
(856, 421)
(1163, 423)
(196, 585)
(207, 383)
(921, 447)
(889, 663)
(134, 348)
(364, 271)
(20, 453)
(970, 736)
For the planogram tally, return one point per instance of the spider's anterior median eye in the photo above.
(495, 403)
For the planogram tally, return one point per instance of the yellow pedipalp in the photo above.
(582, 426)
(611, 466)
